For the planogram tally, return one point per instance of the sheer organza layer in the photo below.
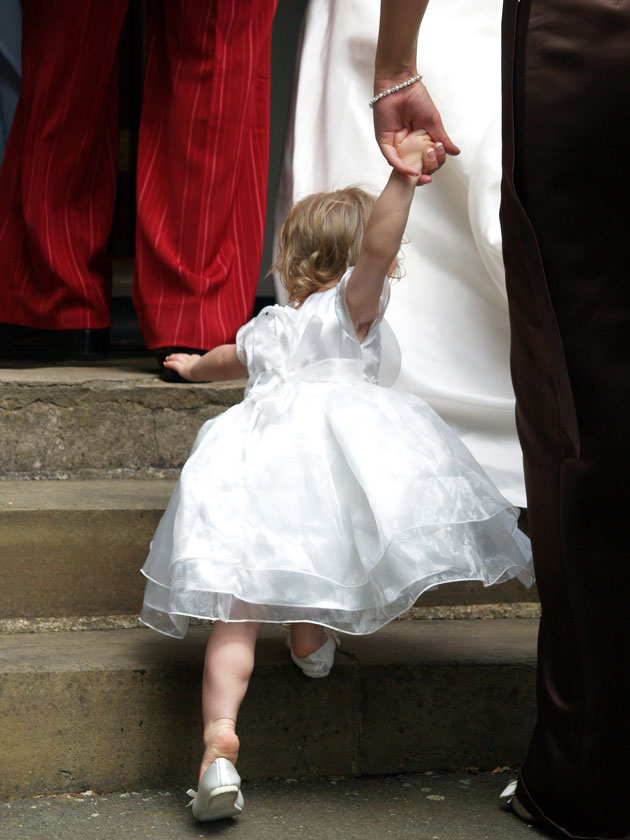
(286, 597)
(342, 508)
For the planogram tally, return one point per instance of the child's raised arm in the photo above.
(383, 234)
(214, 366)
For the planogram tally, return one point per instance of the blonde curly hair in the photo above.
(320, 237)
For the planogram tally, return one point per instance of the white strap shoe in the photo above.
(318, 663)
(219, 795)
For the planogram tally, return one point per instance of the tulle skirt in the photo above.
(332, 503)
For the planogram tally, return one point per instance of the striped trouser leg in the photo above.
(58, 176)
(202, 169)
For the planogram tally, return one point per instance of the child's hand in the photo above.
(418, 150)
(183, 363)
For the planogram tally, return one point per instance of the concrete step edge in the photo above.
(457, 612)
(56, 525)
(110, 417)
(120, 710)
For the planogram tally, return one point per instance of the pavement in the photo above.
(453, 806)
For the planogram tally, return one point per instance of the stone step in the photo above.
(75, 548)
(115, 417)
(119, 710)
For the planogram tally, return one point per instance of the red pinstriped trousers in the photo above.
(202, 168)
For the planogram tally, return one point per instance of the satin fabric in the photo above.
(449, 312)
(324, 496)
(566, 80)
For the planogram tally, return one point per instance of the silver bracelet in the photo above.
(402, 85)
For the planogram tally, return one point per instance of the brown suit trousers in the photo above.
(566, 226)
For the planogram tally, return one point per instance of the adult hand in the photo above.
(396, 114)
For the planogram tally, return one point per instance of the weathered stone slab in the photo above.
(116, 710)
(119, 416)
(75, 548)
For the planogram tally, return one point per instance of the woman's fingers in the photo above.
(430, 163)
(437, 133)
(399, 113)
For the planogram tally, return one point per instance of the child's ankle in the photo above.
(220, 741)
(220, 737)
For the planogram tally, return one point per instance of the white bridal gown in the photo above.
(324, 496)
(449, 312)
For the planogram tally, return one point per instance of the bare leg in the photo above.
(228, 666)
(306, 638)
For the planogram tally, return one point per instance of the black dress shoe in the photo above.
(167, 374)
(37, 345)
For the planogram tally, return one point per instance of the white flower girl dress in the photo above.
(324, 496)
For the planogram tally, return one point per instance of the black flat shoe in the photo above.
(167, 374)
(31, 344)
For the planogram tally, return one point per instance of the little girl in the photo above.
(324, 500)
